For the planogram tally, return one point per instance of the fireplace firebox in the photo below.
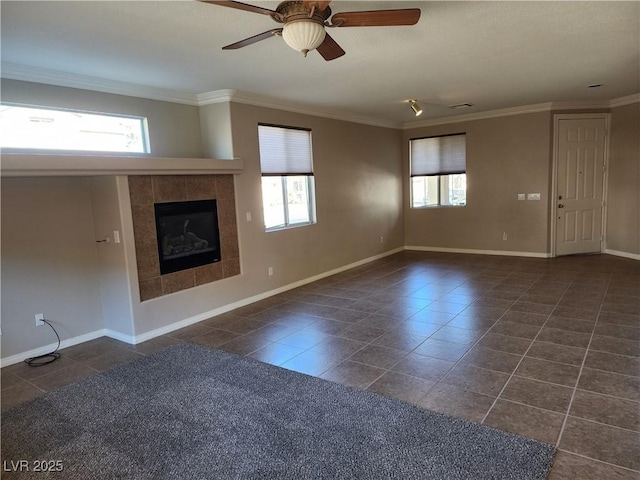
(188, 234)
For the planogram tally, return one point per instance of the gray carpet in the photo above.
(190, 412)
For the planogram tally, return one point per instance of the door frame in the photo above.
(554, 174)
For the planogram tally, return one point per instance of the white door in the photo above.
(580, 166)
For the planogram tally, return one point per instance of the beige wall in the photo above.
(357, 177)
(505, 156)
(49, 262)
(174, 129)
(358, 188)
(357, 172)
(215, 128)
(623, 189)
(115, 290)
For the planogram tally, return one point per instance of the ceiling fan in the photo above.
(305, 23)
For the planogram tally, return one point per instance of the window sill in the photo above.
(289, 227)
(429, 207)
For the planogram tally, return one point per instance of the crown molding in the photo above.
(580, 105)
(628, 100)
(217, 96)
(278, 104)
(62, 79)
(540, 107)
(85, 82)
(503, 112)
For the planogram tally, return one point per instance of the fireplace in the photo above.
(188, 234)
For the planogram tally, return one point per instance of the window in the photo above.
(438, 171)
(51, 129)
(287, 176)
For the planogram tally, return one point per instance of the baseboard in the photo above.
(617, 253)
(247, 301)
(507, 253)
(69, 342)
(133, 340)
(120, 336)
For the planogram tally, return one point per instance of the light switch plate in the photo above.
(521, 196)
(533, 196)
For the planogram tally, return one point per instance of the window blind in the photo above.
(438, 155)
(285, 151)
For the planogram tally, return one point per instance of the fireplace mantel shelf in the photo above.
(62, 165)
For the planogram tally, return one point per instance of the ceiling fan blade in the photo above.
(254, 39)
(240, 6)
(376, 18)
(329, 49)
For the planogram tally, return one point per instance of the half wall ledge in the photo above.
(64, 165)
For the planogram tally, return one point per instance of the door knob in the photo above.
(561, 206)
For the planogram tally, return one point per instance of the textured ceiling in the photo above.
(493, 54)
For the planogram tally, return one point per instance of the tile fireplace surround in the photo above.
(145, 190)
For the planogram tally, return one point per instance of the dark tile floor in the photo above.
(545, 348)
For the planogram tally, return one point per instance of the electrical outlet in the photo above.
(116, 236)
(521, 196)
(270, 271)
(39, 319)
(381, 239)
(505, 236)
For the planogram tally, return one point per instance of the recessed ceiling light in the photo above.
(461, 105)
(594, 85)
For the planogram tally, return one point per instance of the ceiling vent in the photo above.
(461, 105)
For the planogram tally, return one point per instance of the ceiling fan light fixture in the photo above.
(415, 107)
(303, 35)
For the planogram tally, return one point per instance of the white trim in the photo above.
(69, 342)
(554, 174)
(54, 77)
(217, 96)
(85, 82)
(618, 253)
(79, 163)
(525, 109)
(261, 296)
(134, 340)
(506, 253)
(622, 101)
(503, 112)
(130, 339)
(592, 105)
(279, 104)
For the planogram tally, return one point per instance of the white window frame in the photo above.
(285, 172)
(141, 121)
(441, 177)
